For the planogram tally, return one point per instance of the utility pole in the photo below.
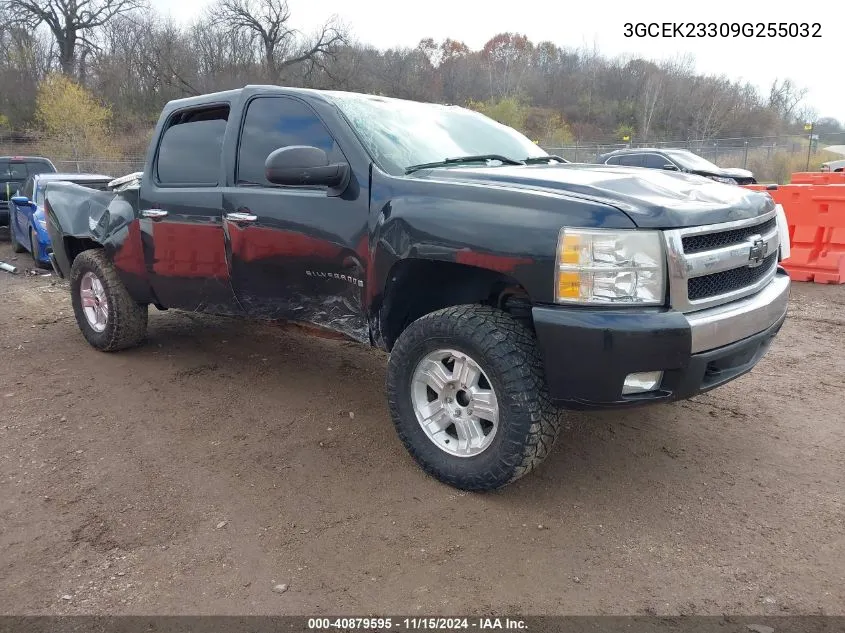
(809, 128)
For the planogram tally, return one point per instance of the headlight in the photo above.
(610, 267)
(728, 181)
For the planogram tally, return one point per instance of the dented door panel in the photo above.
(302, 258)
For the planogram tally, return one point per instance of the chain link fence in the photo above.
(113, 168)
(771, 158)
(125, 154)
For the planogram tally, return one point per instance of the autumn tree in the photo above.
(455, 69)
(507, 56)
(74, 123)
(509, 111)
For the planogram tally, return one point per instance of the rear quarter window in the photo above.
(191, 147)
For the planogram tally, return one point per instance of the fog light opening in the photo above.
(641, 382)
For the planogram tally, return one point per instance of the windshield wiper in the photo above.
(465, 159)
(540, 160)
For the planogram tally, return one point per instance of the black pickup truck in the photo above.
(507, 284)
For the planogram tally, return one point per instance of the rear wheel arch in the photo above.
(74, 246)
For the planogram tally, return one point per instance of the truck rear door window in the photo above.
(275, 122)
(191, 147)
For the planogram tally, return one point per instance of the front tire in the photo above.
(16, 246)
(468, 397)
(33, 246)
(109, 318)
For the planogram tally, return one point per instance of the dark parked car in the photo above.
(505, 283)
(14, 170)
(677, 160)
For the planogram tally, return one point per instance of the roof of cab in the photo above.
(232, 95)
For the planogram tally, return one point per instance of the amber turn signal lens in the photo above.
(570, 249)
(569, 285)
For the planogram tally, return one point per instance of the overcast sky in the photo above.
(815, 64)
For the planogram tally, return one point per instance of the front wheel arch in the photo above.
(416, 287)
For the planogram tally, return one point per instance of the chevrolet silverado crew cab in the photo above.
(505, 283)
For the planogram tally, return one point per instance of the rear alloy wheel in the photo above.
(95, 303)
(468, 397)
(109, 318)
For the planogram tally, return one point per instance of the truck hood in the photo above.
(652, 198)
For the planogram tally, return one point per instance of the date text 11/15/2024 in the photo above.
(415, 624)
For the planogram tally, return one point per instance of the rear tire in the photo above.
(109, 318)
(504, 354)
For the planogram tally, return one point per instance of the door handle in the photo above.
(240, 217)
(154, 214)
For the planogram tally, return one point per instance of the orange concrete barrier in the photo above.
(815, 214)
(818, 178)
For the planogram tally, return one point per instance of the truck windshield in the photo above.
(688, 160)
(399, 133)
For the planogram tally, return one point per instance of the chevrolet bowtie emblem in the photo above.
(757, 251)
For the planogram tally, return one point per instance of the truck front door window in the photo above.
(273, 123)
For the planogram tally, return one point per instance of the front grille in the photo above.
(729, 280)
(698, 243)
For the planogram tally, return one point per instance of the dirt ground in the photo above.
(194, 474)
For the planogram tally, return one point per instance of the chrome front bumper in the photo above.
(731, 322)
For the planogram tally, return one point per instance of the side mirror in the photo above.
(670, 168)
(21, 201)
(304, 166)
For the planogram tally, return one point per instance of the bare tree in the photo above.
(784, 97)
(281, 44)
(71, 22)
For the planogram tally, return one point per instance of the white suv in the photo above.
(833, 165)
